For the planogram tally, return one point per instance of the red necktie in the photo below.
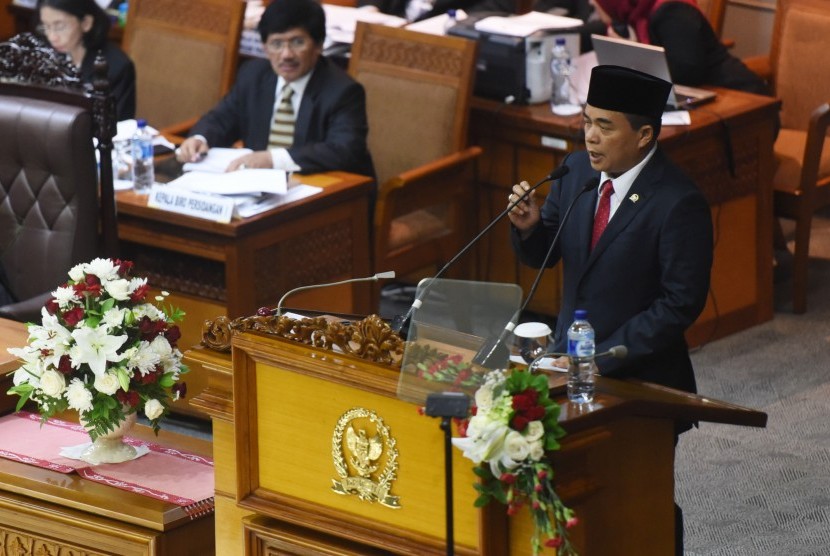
(603, 211)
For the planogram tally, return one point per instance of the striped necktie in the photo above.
(282, 127)
(603, 212)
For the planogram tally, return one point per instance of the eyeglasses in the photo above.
(57, 28)
(294, 44)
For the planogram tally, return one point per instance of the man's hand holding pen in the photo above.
(193, 149)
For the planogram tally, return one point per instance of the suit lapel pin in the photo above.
(634, 198)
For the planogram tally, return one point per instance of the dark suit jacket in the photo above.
(647, 279)
(121, 77)
(330, 129)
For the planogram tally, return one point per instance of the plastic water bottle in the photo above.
(581, 348)
(452, 20)
(561, 69)
(143, 172)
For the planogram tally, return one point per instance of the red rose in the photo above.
(180, 388)
(124, 267)
(555, 542)
(519, 422)
(508, 478)
(64, 365)
(73, 316)
(526, 399)
(149, 328)
(173, 334)
(535, 413)
(130, 398)
(93, 285)
(542, 474)
(51, 306)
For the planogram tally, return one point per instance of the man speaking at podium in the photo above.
(296, 110)
(637, 252)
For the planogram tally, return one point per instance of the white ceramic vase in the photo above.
(110, 448)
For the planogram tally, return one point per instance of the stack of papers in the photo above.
(526, 24)
(216, 160)
(341, 21)
(250, 180)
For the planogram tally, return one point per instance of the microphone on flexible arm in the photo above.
(494, 351)
(616, 352)
(400, 323)
(375, 278)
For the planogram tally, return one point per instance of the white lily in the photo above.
(94, 346)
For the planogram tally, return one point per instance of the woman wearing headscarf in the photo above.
(695, 54)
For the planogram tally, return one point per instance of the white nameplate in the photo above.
(209, 207)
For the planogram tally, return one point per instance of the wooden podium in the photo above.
(291, 423)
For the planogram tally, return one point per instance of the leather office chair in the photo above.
(801, 182)
(52, 215)
(185, 54)
(418, 90)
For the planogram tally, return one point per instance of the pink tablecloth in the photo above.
(165, 473)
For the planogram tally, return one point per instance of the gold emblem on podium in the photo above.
(365, 457)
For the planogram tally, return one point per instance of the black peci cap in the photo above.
(629, 91)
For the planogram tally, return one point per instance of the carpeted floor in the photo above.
(751, 491)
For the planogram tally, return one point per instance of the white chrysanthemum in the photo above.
(153, 409)
(107, 384)
(144, 359)
(118, 289)
(114, 318)
(76, 273)
(94, 346)
(52, 383)
(136, 283)
(534, 431)
(65, 296)
(78, 397)
(104, 269)
(148, 310)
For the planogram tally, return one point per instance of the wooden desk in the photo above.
(47, 512)
(232, 269)
(250, 263)
(526, 142)
(275, 461)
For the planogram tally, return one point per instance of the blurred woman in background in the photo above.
(79, 28)
(695, 54)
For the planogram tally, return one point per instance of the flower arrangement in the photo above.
(514, 424)
(102, 350)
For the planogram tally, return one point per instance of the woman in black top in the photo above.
(78, 28)
(694, 53)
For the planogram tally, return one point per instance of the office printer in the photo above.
(514, 69)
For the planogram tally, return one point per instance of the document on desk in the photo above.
(256, 205)
(341, 21)
(526, 24)
(216, 160)
(250, 180)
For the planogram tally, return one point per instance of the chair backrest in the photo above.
(50, 207)
(715, 12)
(185, 54)
(802, 72)
(418, 89)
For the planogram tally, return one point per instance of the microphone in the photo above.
(375, 278)
(617, 352)
(400, 323)
(494, 351)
